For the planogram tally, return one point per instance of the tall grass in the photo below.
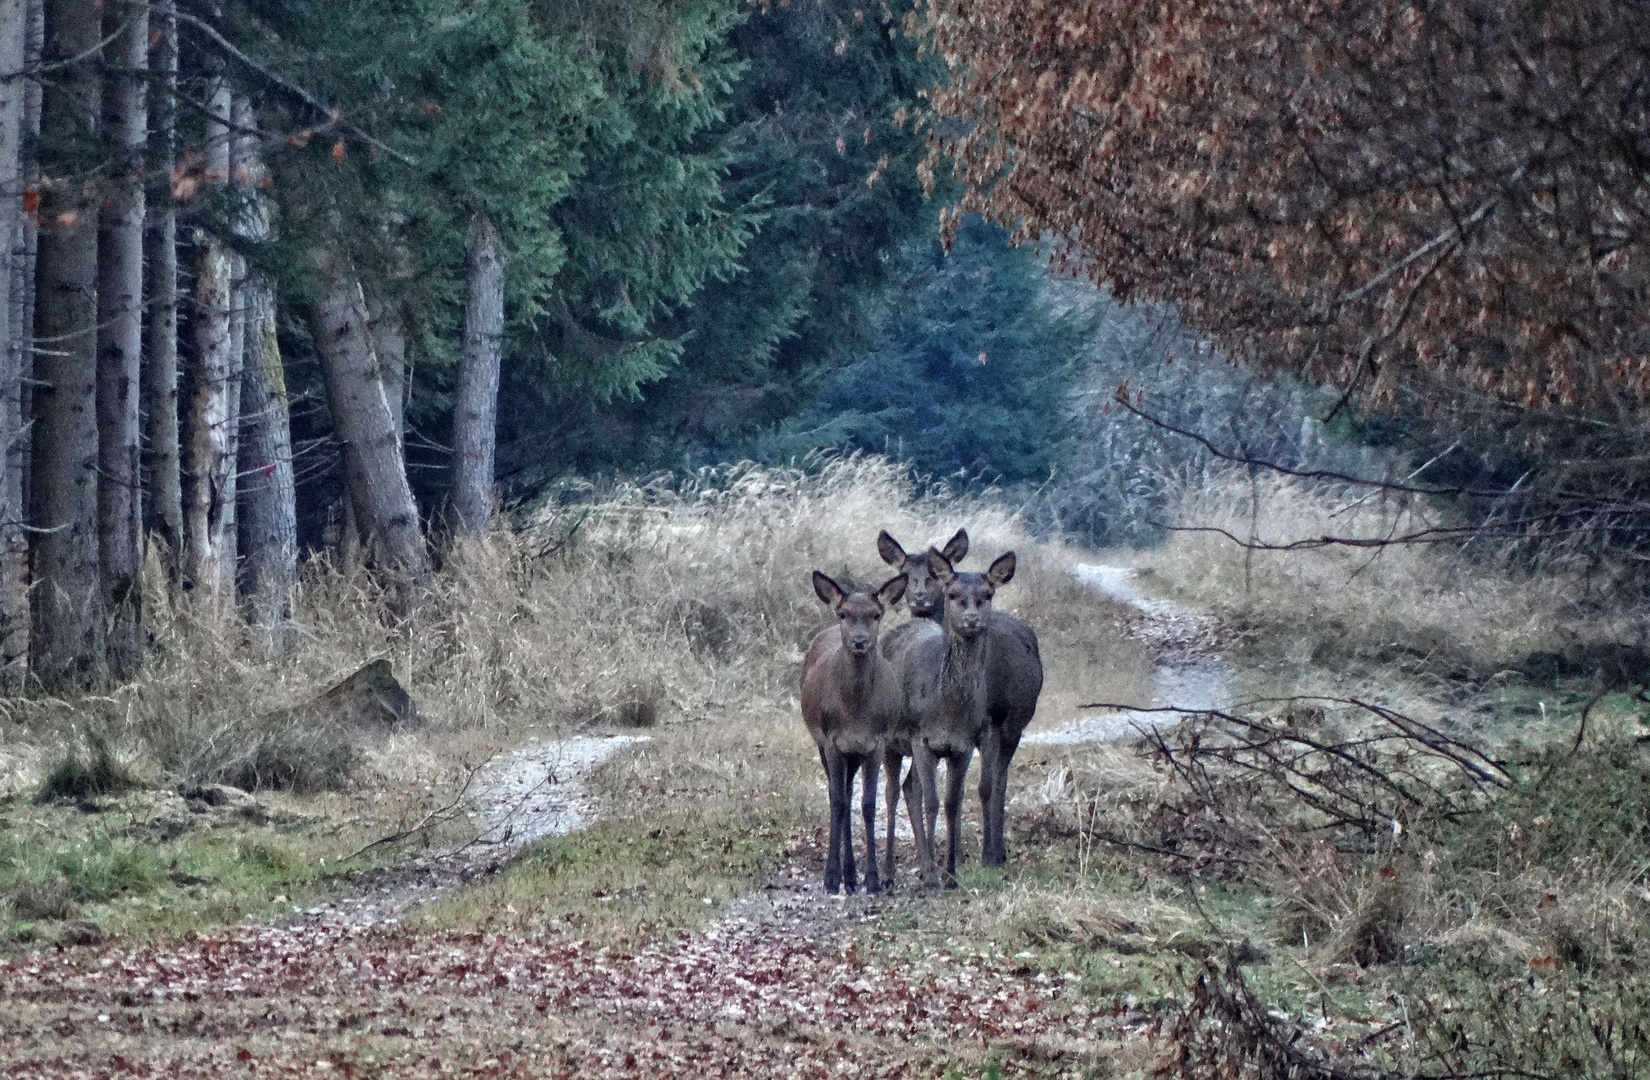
(665, 599)
(1464, 600)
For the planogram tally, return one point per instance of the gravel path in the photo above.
(531, 793)
(1189, 673)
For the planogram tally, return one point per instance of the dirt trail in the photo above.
(534, 792)
(1189, 672)
(774, 987)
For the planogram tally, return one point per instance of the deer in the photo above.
(926, 602)
(943, 683)
(1014, 681)
(851, 699)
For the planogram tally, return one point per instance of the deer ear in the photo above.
(1001, 571)
(940, 567)
(956, 548)
(891, 591)
(889, 549)
(829, 592)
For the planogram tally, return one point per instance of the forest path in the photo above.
(774, 987)
(536, 791)
(1189, 672)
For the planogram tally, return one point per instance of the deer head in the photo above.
(923, 596)
(968, 595)
(858, 613)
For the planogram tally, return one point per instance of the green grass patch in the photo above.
(624, 881)
(58, 864)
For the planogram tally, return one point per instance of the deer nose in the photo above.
(861, 641)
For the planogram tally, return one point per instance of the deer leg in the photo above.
(868, 808)
(850, 874)
(990, 753)
(925, 764)
(913, 803)
(839, 818)
(890, 769)
(956, 778)
(998, 810)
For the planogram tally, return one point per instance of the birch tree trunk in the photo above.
(120, 337)
(164, 502)
(14, 296)
(475, 400)
(374, 469)
(67, 644)
(268, 499)
(214, 393)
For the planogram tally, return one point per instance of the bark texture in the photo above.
(269, 515)
(214, 394)
(374, 470)
(164, 494)
(15, 288)
(120, 337)
(268, 499)
(67, 643)
(475, 400)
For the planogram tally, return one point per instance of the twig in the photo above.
(427, 818)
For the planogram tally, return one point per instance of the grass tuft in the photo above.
(86, 775)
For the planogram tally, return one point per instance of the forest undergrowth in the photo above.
(1406, 848)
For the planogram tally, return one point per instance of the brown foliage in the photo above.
(1388, 195)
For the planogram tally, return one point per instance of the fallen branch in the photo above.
(435, 816)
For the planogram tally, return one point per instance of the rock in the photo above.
(220, 796)
(168, 816)
(370, 698)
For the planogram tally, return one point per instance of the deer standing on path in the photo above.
(925, 600)
(1013, 682)
(851, 699)
(942, 674)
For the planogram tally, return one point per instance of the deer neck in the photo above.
(864, 673)
(963, 670)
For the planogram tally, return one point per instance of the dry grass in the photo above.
(1435, 603)
(685, 601)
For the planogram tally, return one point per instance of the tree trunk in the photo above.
(374, 469)
(164, 502)
(475, 400)
(67, 643)
(214, 393)
(120, 338)
(389, 341)
(268, 501)
(14, 297)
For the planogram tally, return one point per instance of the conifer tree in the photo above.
(67, 642)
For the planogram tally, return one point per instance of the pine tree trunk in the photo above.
(389, 341)
(120, 338)
(475, 400)
(19, 397)
(14, 353)
(67, 643)
(268, 502)
(374, 469)
(214, 394)
(163, 503)
(269, 519)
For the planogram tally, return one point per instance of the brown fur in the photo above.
(942, 676)
(850, 701)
